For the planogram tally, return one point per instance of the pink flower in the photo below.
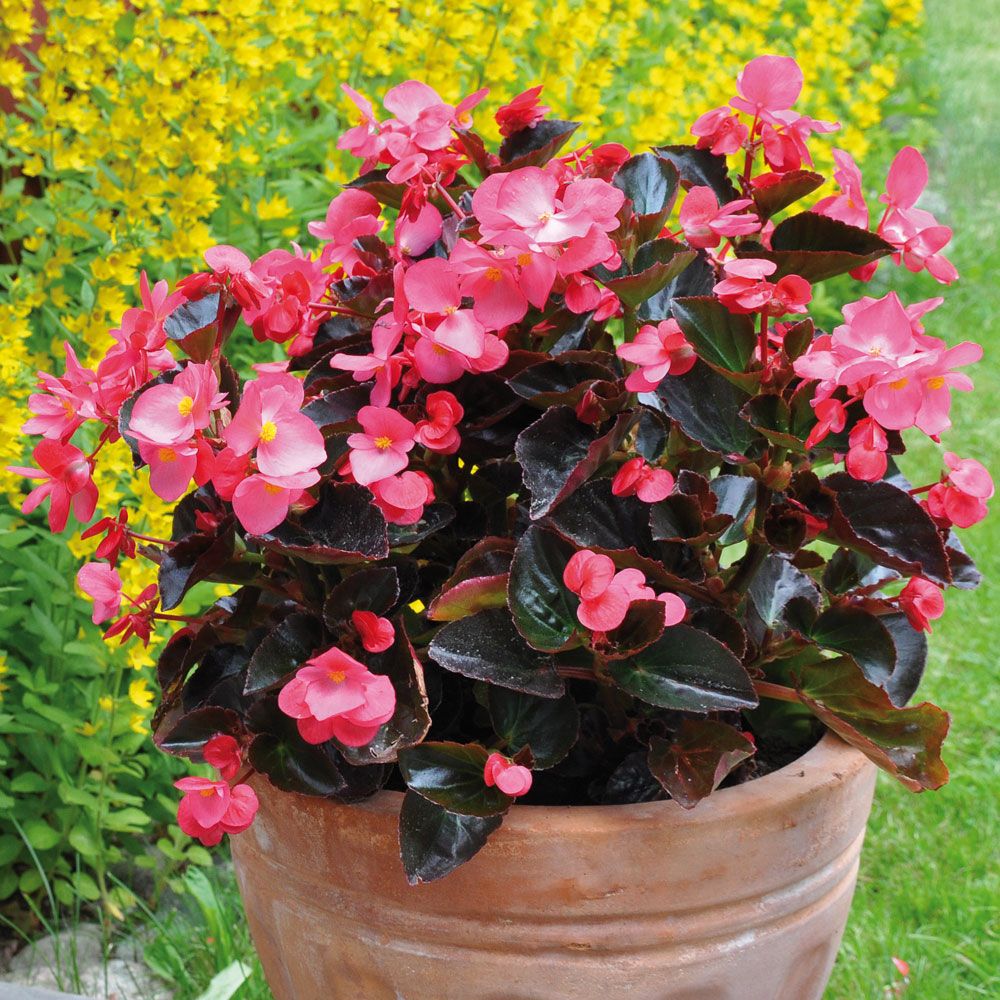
(849, 206)
(66, 472)
(382, 364)
(866, 458)
(223, 753)
(705, 223)
(290, 283)
(261, 502)
(526, 201)
(117, 539)
(512, 779)
(745, 289)
(231, 268)
(418, 229)
(377, 634)
(269, 419)
(637, 477)
(208, 809)
(334, 695)
(173, 466)
(922, 602)
(524, 111)
(961, 498)
(102, 583)
(350, 215)
(659, 351)
(402, 498)
(768, 84)
(381, 450)
(365, 140)
(438, 432)
(492, 280)
(171, 413)
(720, 131)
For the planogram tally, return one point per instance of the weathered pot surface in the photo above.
(746, 896)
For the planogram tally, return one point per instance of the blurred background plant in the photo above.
(136, 134)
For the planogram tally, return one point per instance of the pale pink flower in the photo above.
(402, 498)
(261, 502)
(173, 466)
(768, 84)
(720, 131)
(103, 585)
(705, 223)
(849, 206)
(170, 413)
(349, 215)
(381, 449)
(382, 365)
(659, 351)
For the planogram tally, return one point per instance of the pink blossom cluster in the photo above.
(915, 233)
(335, 696)
(903, 377)
(606, 593)
(209, 808)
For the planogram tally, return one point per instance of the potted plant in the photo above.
(559, 514)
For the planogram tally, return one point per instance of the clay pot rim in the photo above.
(830, 762)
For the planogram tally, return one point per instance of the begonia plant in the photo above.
(559, 494)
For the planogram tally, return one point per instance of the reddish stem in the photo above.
(777, 691)
(762, 336)
(448, 198)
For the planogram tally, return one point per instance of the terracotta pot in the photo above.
(745, 896)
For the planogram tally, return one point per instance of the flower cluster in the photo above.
(531, 501)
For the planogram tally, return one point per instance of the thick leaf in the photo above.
(559, 381)
(544, 610)
(698, 278)
(682, 518)
(687, 670)
(547, 726)
(377, 184)
(411, 720)
(434, 841)
(293, 765)
(487, 647)
(888, 525)
(721, 338)
(469, 596)
(964, 573)
(906, 742)
(911, 658)
(191, 316)
(655, 266)
(787, 189)
(698, 759)
(593, 515)
(452, 776)
(861, 635)
(343, 526)
(375, 588)
(737, 498)
(777, 582)
(535, 146)
(337, 408)
(700, 168)
(185, 736)
(558, 454)
(643, 625)
(707, 408)
(649, 182)
(816, 248)
(192, 560)
(284, 649)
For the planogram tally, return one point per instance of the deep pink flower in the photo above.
(402, 498)
(116, 541)
(66, 472)
(524, 111)
(418, 229)
(269, 419)
(65, 402)
(103, 585)
(492, 280)
(377, 634)
(637, 477)
(705, 223)
(231, 267)
(659, 351)
(290, 283)
(745, 289)
(173, 466)
(365, 140)
(922, 602)
(261, 502)
(349, 215)
(512, 779)
(171, 413)
(439, 432)
(383, 365)
(334, 695)
(868, 444)
(208, 809)
(961, 498)
(223, 753)
(720, 131)
(381, 449)
(605, 595)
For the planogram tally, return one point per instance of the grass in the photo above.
(929, 886)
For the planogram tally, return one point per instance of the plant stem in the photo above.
(777, 691)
